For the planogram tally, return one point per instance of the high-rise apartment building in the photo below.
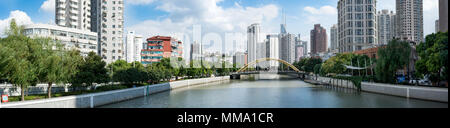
(105, 17)
(357, 26)
(318, 39)
(195, 52)
(386, 26)
(436, 26)
(443, 15)
(272, 50)
(107, 21)
(287, 47)
(253, 38)
(239, 59)
(334, 37)
(134, 45)
(73, 14)
(410, 20)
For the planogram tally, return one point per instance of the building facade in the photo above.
(443, 15)
(134, 45)
(301, 50)
(73, 14)
(334, 37)
(386, 26)
(107, 21)
(287, 47)
(253, 37)
(239, 59)
(318, 39)
(195, 52)
(410, 20)
(357, 25)
(159, 47)
(272, 50)
(70, 38)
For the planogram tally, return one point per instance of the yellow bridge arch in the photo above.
(267, 59)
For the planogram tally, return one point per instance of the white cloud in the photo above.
(21, 18)
(182, 15)
(137, 2)
(324, 10)
(48, 6)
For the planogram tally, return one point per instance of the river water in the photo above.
(270, 94)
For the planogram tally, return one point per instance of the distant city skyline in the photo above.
(217, 16)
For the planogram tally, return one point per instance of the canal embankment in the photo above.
(103, 98)
(422, 93)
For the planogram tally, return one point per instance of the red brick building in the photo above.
(371, 52)
(159, 47)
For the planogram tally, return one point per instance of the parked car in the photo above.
(425, 82)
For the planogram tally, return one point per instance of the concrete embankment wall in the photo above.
(336, 82)
(103, 98)
(424, 93)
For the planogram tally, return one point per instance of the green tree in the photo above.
(391, 58)
(22, 68)
(433, 55)
(91, 70)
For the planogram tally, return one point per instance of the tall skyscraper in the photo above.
(253, 37)
(73, 14)
(134, 47)
(287, 47)
(436, 26)
(107, 21)
(195, 52)
(272, 50)
(410, 20)
(386, 26)
(357, 26)
(261, 53)
(443, 15)
(334, 37)
(318, 39)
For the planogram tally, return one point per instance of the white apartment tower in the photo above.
(334, 37)
(134, 47)
(357, 25)
(73, 14)
(272, 50)
(410, 20)
(386, 26)
(253, 38)
(107, 21)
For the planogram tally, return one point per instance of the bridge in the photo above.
(245, 70)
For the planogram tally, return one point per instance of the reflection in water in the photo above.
(270, 94)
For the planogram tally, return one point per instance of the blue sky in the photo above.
(163, 17)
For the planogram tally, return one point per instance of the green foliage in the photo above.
(433, 57)
(307, 64)
(91, 70)
(356, 80)
(336, 63)
(21, 57)
(395, 56)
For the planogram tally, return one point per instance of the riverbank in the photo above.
(422, 93)
(102, 98)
